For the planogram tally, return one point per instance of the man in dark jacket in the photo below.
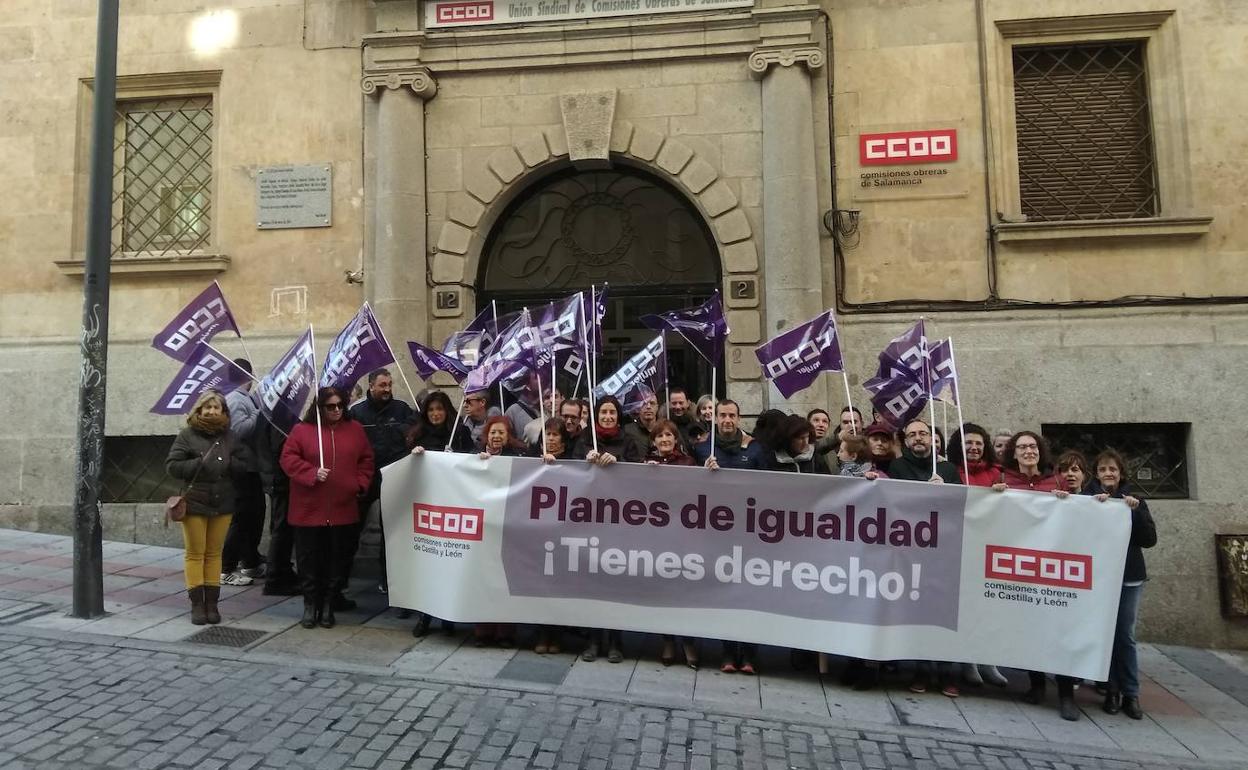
(733, 448)
(915, 463)
(679, 411)
(385, 420)
(279, 577)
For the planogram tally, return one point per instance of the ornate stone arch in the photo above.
(491, 184)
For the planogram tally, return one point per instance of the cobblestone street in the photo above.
(70, 704)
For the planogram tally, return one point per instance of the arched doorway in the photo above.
(620, 226)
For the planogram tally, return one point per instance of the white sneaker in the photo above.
(236, 579)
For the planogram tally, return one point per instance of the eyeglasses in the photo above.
(333, 406)
(477, 400)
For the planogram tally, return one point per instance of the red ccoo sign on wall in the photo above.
(908, 147)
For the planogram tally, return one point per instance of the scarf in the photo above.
(210, 426)
(731, 443)
(607, 434)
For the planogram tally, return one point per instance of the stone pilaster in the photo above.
(395, 263)
(791, 291)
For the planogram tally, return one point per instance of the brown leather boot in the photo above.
(198, 614)
(211, 613)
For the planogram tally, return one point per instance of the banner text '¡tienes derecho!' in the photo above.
(771, 525)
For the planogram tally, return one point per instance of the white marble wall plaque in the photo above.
(294, 196)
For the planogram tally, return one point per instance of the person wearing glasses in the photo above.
(570, 415)
(476, 411)
(1027, 464)
(324, 493)
(915, 464)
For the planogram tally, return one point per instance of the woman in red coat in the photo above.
(323, 499)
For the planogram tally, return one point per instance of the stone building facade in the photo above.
(783, 152)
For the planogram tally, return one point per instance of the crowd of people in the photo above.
(321, 483)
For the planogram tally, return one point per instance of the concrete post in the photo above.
(394, 271)
(791, 287)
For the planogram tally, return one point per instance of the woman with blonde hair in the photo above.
(203, 456)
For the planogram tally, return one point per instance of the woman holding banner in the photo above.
(612, 446)
(432, 432)
(972, 452)
(1124, 667)
(556, 444)
(612, 443)
(794, 449)
(1027, 464)
(203, 455)
(330, 464)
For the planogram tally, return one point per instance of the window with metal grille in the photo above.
(134, 470)
(1155, 453)
(1085, 138)
(163, 170)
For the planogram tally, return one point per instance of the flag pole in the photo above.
(316, 403)
(849, 401)
(667, 382)
(593, 417)
(494, 305)
(397, 365)
(927, 383)
(450, 442)
(957, 400)
(236, 330)
(714, 412)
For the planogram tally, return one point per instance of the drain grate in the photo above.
(227, 636)
(541, 669)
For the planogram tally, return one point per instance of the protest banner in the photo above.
(886, 570)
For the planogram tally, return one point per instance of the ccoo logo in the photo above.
(448, 522)
(1046, 568)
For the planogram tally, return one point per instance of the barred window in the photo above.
(1085, 137)
(163, 170)
(1155, 453)
(134, 470)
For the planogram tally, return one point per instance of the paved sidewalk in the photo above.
(1196, 700)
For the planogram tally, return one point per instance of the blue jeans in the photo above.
(1124, 666)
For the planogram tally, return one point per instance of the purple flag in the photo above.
(640, 377)
(703, 327)
(200, 321)
(907, 354)
(285, 389)
(205, 369)
(902, 383)
(794, 359)
(511, 354)
(428, 361)
(358, 349)
(557, 332)
(898, 400)
(944, 372)
(595, 310)
(473, 343)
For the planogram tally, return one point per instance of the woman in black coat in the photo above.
(613, 443)
(1124, 666)
(794, 449)
(203, 455)
(432, 432)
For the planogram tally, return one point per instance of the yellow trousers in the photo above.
(204, 537)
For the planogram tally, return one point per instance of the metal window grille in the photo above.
(134, 470)
(162, 204)
(1155, 453)
(1085, 137)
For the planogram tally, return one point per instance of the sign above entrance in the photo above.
(474, 13)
